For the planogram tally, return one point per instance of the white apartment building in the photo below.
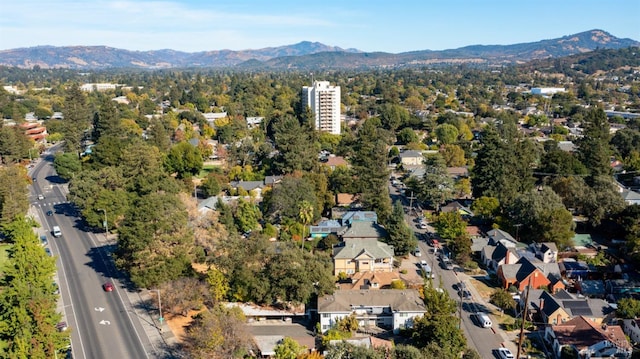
(547, 90)
(324, 101)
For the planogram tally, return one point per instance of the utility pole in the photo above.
(524, 317)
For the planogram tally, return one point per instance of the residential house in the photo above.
(254, 187)
(325, 228)
(362, 255)
(631, 328)
(456, 206)
(563, 306)
(495, 256)
(522, 274)
(547, 252)
(370, 280)
(411, 158)
(334, 161)
(458, 172)
(588, 339)
(570, 268)
(499, 236)
(253, 122)
(630, 197)
(347, 200)
(390, 309)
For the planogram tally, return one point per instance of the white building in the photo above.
(384, 308)
(547, 90)
(90, 87)
(324, 101)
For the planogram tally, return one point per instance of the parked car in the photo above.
(43, 240)
(417, 252)
(62, 326)
(48, 252)
(504, 353)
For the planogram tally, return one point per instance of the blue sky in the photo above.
(373, 25)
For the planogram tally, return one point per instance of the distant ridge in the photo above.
(305, 55)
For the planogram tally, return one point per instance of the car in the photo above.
(108, 287)
(40, 197)
(49, 213)
(48, 252)
(423, 225)
(43, 240)
(62, 326)
(423, 263)
(34, 179)
(56, 288)
(504, 353)
(465, 294)
(417, 252)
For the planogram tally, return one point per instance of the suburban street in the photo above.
(103, 324)
(484, 340)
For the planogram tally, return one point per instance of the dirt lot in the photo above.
(178, 323)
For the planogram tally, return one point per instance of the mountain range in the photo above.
(305, 55)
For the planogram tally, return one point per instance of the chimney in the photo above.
(541, 303)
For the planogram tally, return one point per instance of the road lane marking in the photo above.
(99, 309)
(105, 322)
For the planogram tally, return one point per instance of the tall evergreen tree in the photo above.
(76, 118)
(593, 149)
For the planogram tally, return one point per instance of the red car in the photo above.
(108, 287)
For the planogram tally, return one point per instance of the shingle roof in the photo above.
(410, 153)
(363, 230)
(583, 333)
(353, 248)
(407, 300)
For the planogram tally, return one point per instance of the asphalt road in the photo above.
(102, 324)
(484, 340)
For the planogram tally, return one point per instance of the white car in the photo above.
(504, 353)
(40, 197)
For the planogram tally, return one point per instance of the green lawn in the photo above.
(205, 170)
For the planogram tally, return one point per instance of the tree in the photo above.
(453, 155)
(446, 133)
(211, 185)
(246, 216)
(182, 295)
(503, 299)
(450, 225)
(288, 349)
(106, 121)
(628, 308)
(593, 147)
(295, 144)
(283, 201)
(155, 244)
(218, 284)
(407, 135)
(67, 165)
(219, 333)
(14, 202)
(436, 186)
(305, 215)
(27, 301)
(401, 237)
(14, 144)
(184, 159)
(486, 207)
(543, 217)
(76, 118)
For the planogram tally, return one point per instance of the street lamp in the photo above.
(105, 224)
(159, 310)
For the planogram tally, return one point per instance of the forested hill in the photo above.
(589, 63)
(307, 55)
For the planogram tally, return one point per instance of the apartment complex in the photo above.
(324, 101)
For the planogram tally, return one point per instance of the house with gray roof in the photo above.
(630, 197)
(563, 306)
(411, 158)
(389, 309)
(498, 235)
(362, 255)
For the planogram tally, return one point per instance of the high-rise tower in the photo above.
(324, 101)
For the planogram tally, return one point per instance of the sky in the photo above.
(373, 25)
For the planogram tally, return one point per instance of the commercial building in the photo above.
(324, 101)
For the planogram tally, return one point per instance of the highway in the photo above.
(103, 324)
(484, 340)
